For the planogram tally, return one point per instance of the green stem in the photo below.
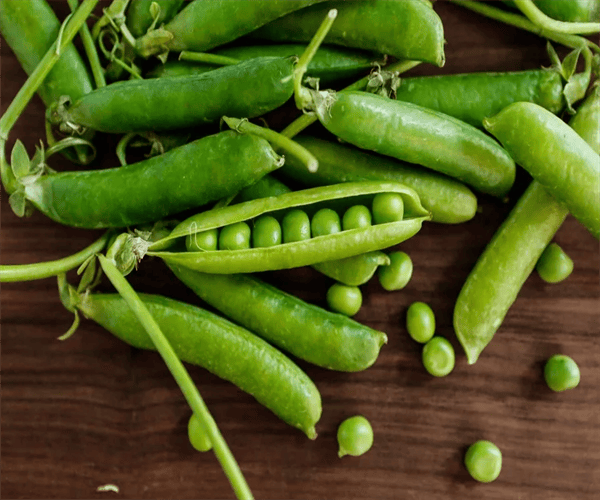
(30, 87)
(518, 21)
(205, 57)
(282, 142)
(122, 147)
(41, 270)
(90, 50)
(116, 10)
(537, 17)
(300, 94)
(182, 377)
(306, 120)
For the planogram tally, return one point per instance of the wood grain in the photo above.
(92, 411)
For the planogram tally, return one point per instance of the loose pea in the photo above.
(266, 232)
(296, 226)
(198, 438)
(420, 322)
(387, 207)
(355, 436)
(235, 237)
(356, 217)
(324, 222)
(561, 373)
(554, 264)
(204, 241)
(397, 274)
(438, 357)
(484, 461)
(344, 299)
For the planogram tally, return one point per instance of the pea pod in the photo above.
(406, 29)
(555, 155)
(352, 271)
(202, 25)
(586, 121)
(418, 135)
(309, 332)
(449, 201)
(186, 177)
(300, 253)
(567, 10)
(224, 349)
(139, 15)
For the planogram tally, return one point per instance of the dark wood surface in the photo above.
(91, 411)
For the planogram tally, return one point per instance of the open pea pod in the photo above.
(301, 253)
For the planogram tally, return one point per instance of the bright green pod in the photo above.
(586, 121)
(472, 97)
(574, 11)
(406, 29)
(186, 177)
(139, 17)
(325, 339)
(248, 89)
(330, 63)
(299, 253)
(224, 349)
(507, 261)
(418, 135)
(202, 24)
(555, 155)
(449, 201)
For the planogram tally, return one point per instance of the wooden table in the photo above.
(91, 410)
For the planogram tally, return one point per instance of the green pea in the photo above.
(235, 237)
(387, 207)
(554, 264)
(198, 438)
(438, 357)
(355, 436)
(420, 322)
(561, 373)
(202, 242)
(344, 299)
(397, 274)
(324, 222)
(356, 217)
(266, 232)
(296, 226)
(483, 461)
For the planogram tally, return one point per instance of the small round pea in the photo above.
(483, 461)
(324, 222)
(356, 217)
(344, 299)
(198, 438)
(397, 274)
(561, 373)
(235, 237)
(202, 242)
(554, 264)
(355, 436)
(387, 207)
(420, 322)
(295, 226)
(438, 357)
(266, 232)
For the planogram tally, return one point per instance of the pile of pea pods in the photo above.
(214, 197)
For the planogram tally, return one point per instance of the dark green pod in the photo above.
(474, 96)
(245, 90)
(311, 333)
(224, 349)
(575, 11)
(139, 18)
(406, 29)
(300, 253)
(449, 201)
(202, 24)
(186, 177)
(418, 135)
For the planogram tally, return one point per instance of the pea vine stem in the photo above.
(182, 377)
(30, 87)
(41, 270)
(537, 17)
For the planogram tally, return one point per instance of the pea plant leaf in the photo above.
(554, 59)
(88, 272)
(19, 160)
(569, 64)
(20, 204)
